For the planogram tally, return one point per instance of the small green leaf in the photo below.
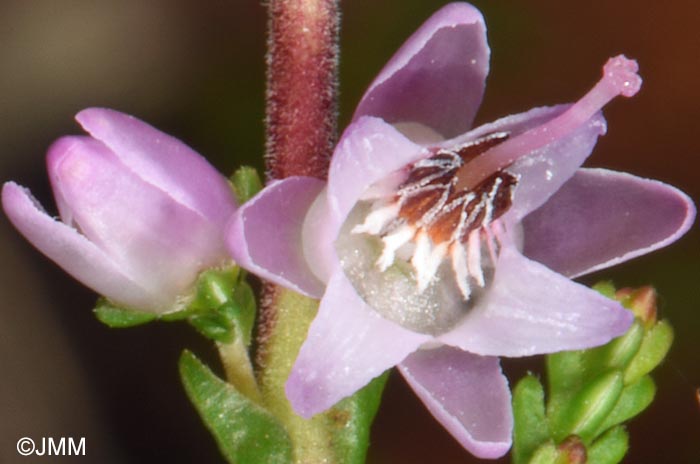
(610, 448)
(245, 432)
(634, 399)
(565, 371)
(246, 183)
(119, 318)
(224, 306)
(244, 310)
(545, 454)
(351, 419)
(584, 413)
(531, 428)
(214, 326)
(215, 288)
(618, 353)
(657, 341)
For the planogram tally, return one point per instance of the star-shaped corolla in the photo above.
(437, 248)
(141, 213)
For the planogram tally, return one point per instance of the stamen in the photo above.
(474, 258)
(491, 244)
(377, 219)
(420, 258)
(619, 78)
(459, 266)
(427, 272)
(393, 242)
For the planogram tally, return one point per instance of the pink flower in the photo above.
(438, 248)
(142, 214)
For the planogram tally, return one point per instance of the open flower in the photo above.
(438, 248)
(142, 214)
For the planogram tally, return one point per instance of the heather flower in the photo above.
(141, 213)
(438, 248)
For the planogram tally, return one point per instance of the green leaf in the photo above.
(634, 399)
(246, 183)
(119, 318)
(243, 311)
(351, 419)
(657, 341)
(565, 371)
(531, 428)
(588, 408)
(610, 448)
(617, 353)
(245, 432)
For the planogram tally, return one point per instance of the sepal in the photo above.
(246, 183)
(224, 306)
(116, 317)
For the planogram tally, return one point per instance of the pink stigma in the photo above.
(621, 73)
(619, 78)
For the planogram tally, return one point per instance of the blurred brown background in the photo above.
(195, 70)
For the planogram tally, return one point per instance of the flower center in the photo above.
(442, 220)
(421, 252)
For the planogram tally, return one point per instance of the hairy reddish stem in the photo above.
(302, 64)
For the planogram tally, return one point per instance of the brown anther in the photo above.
(415, 207)
(429, 200)
(471, 151)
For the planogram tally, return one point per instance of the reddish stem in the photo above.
(302, 64)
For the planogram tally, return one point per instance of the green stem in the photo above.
(311, 438)
(238, 368)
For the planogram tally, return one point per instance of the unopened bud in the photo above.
(572, 451)
(642, 302)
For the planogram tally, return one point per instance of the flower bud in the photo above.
(572, 451)
(142, 214)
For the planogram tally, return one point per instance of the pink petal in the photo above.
(532, 310)
(75, 253)
(154, 239)
(163, 161)
(467, 394)
(348, 344)
(369, 150)
(265, 234)
(546, 169)
(600, 218)
(437, 77)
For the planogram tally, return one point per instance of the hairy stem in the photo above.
(301, 130)
(302, 63)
